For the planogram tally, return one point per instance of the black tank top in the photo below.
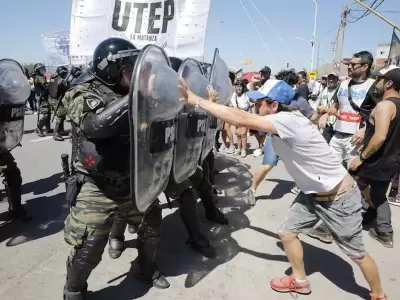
(384, 163)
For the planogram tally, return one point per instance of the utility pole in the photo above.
(319, 46)
(340, 41)
(314, 34)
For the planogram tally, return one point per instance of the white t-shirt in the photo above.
(307, 156)
(242, 102)
(349, 120)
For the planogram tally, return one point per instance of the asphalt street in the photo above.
(33, 255)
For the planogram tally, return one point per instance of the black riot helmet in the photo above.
(39, 69)
(175, 63)
(62, 71)
(76, 72)
(110, 56)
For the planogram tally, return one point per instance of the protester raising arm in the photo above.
(228, 114)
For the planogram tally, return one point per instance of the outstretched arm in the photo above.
(230, 115)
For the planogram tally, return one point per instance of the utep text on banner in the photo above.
(178, 26)
(394, 53)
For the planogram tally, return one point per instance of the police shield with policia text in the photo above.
(14, 91)
(105, 138)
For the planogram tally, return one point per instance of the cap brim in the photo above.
(255, 95)
(376, 73)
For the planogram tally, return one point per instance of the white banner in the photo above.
(179, 26)
(56, 47)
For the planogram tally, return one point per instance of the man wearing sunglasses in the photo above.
(352, 104)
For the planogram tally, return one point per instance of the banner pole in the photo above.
(378, 14)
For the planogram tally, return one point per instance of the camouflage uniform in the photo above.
(98, 197)
(59, 110)
(41, 95)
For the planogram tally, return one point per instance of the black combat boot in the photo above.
(116, 242)
(13, 190)
(217, 216)
(62, 130)
(202, 245)
(148, 270)
(132, 229)
(80, 265)
(115, 248)
(57, 134)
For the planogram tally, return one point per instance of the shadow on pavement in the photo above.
(129, 288)
(48, 213)
(281, 189)
(43, 186)
(176, 258)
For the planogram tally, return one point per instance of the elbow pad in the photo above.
(107, 123)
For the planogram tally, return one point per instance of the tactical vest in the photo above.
(57, 88)
(108, 157)
(41, 90)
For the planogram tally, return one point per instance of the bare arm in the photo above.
(236, 117)
(383, 114)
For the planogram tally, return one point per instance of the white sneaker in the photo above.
(243, 153)
(257, 152)
(223, 148)
(237, 152)
(250, 197)
(231, 150)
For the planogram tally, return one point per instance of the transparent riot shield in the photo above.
(219, 80)
(153, 108)
(14, 91)
(191, 124)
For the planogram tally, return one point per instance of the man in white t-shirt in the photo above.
(329, 193)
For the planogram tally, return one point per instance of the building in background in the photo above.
(381, 56)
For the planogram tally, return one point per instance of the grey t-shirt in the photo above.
(307, 156)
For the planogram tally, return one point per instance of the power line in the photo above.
(366, 13)
(258, 32)
(270, 25)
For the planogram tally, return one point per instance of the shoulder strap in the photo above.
(353, 105)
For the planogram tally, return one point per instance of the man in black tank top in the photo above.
(379, 160)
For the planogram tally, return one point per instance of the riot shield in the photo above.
(14, 91)
(219, 79)
(191, 124)
(153, 109)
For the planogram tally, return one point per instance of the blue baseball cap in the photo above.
(276, 90)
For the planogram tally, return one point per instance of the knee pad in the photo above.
(90, 253)
(151, 225)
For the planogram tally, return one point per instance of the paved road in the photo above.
(32, 256)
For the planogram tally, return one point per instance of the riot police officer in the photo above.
(57, 88)
(100, 186)
(42, 94)
(73, 75)
(13, 95)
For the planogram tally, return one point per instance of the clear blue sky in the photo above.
(23, 21)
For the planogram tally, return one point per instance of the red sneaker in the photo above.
(290, 285)
(379, 297)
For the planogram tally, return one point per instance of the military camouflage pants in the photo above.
(45, 112)
(92, 214)
(61, 113)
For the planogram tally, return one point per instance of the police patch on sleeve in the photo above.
(92, 104)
